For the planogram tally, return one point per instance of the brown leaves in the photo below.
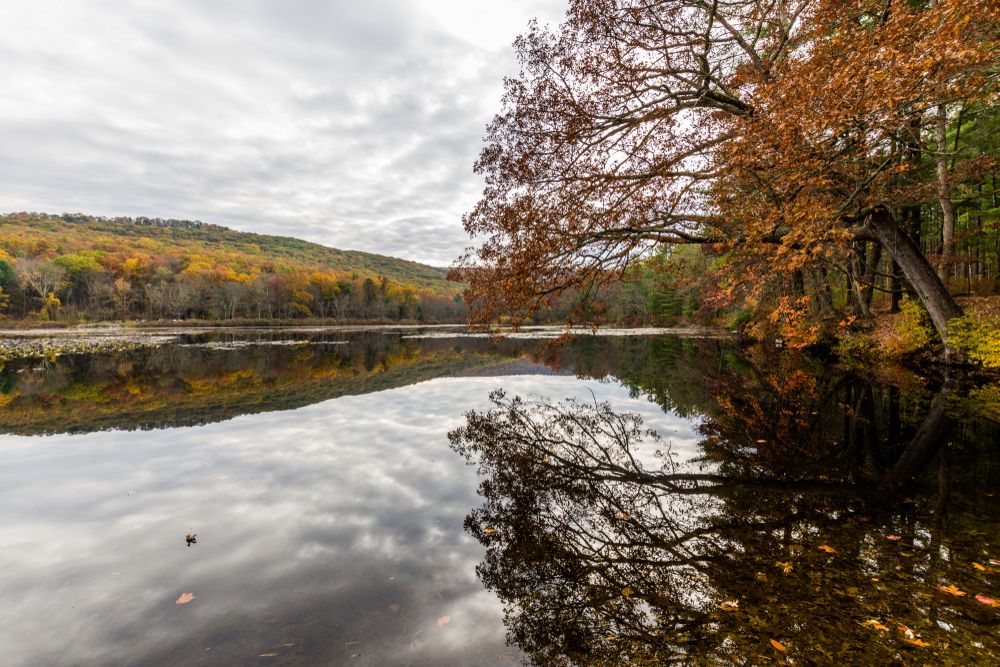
(184, 598)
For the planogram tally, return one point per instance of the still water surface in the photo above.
(826, 508)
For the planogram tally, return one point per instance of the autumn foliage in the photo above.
(73, 267)
(788, 139)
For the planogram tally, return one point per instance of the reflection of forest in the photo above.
(185, 385)
(828, 513)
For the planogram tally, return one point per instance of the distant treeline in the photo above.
(77, 267)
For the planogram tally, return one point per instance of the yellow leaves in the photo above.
(778, 645)
(785, 567)
(977, 566)
(951, 590)
(184, 598)
(627, 592)
(730, 605)
(489, 531)
(827, 548)
(876, 624)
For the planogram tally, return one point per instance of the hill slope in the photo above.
(139, 267)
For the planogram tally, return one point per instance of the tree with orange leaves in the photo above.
(777, 133)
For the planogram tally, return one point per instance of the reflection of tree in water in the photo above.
(605, 552)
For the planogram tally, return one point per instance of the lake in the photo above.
(424, 496)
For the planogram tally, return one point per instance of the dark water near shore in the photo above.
(788, 509)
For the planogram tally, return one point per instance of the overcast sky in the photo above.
(350, 123)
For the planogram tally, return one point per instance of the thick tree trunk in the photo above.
(944, 195)
(919, 273)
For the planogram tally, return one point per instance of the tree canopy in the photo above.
(784, 136)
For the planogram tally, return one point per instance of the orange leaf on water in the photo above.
(981, 568)
(917, 642)
(876, 624)
(987, 601)
(778, 645)
(443, 620)
(894, 538)
(952, 590)
(827, 548)
(185, 598)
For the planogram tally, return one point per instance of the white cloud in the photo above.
(351, 124)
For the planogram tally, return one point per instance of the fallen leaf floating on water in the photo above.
(394, 608)
(981, 568)
(827, 548)
(268, 655)
(906, 631)
(185, 598)
(894, 538)
(916, 641)
(877, 625)
(761, 442)
(443, 620)
(952, 590)
(994, 561)
(778, 645)
(785, 567)
(191, 538)
(489, 530)
(730, 605)
(624, 517)
(987, 601)
(628, 592)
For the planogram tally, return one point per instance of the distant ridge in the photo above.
(287, 249)
(76, 267)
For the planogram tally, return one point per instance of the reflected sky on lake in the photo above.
(329, 533)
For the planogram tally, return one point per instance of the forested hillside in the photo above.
(73, 267)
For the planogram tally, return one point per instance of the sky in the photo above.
(352, 124)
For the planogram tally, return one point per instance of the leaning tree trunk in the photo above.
(921, 275)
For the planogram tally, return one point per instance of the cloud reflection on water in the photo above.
(312, 525)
